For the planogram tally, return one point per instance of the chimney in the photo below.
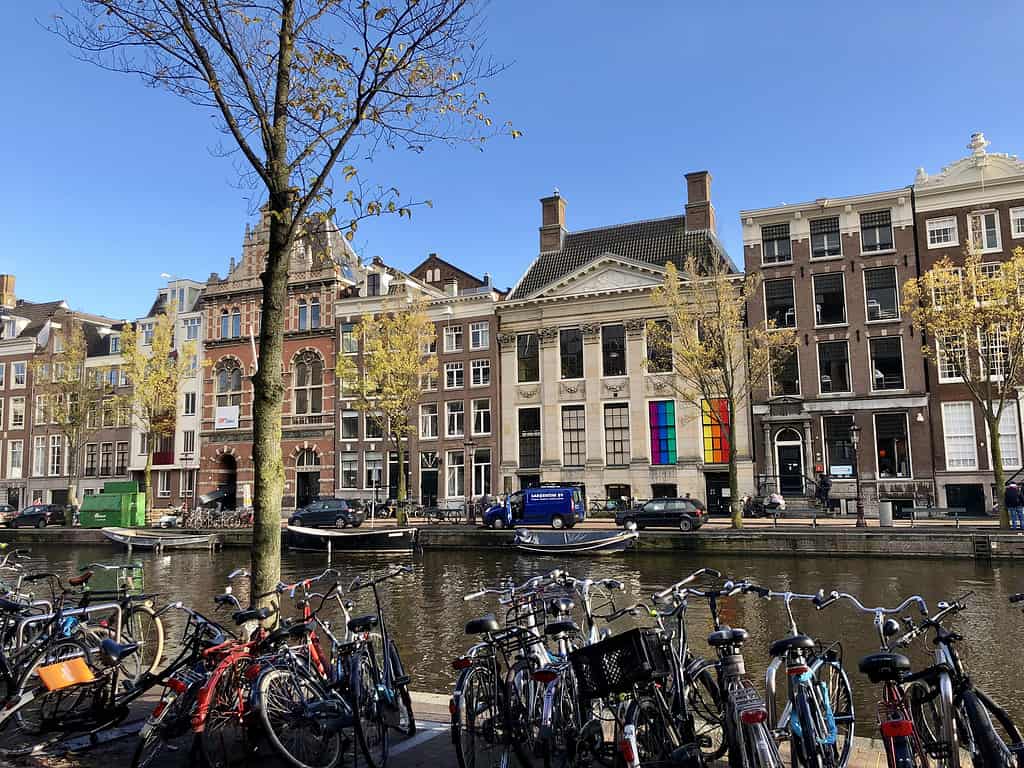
(552, 222)
(451, 287)
(700, 213)
(487, 279)
(7, 298)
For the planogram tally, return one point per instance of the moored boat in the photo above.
(375, 540)
(141, 538)
(573, 542)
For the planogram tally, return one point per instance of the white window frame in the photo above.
(910, 447)
(3, 379)
(948, 407)
(1016, 218)
(163, 484)
(849, 365)
(999, 235)
(1011, 410)
(348, 414)
(428, 382)
(10, 459)
(939, 367)
(344, 335)
(792, 285)
(55, 456)
(351, 456)
(424, 435)
(186, 483)
(451, 334)
(15, 366)
(369, 422)
(771, 384)
(864, 285)
(998, 376)
(458, 370)
(15, 409)
(473, 411)
(776, 260)
(479, 365)
(860, 232)
(539, 361)
(846, 314)
(838, 235)
(903, 364)
(190, 399)
(377, 458)
(942, 224)
(454, 490)
(188, 441)
(481, 331)
(447, 418)
(39, 467)
(478, 488)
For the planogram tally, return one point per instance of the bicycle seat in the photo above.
(254, 614)
(301, 629)
(561, 627)
(483, 625)
(784, 646)
(363, 623)
(561, 606)
(728, 636)
(9, 606)
(112, 653)
(77, 581)
(884, 667)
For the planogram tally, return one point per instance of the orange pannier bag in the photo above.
(64, 674)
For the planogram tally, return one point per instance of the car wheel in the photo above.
(498, 524)
(41, 523)
(341, 522)
(685, 524)
(629, 525)
(558, 522)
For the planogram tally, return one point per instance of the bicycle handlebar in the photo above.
(509, 590)
(879, 611)
(689, 579)
(954, 607)
(360, 582)
(633, 610)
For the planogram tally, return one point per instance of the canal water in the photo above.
(428, 613)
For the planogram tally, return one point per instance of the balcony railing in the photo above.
(162, 458)
(315, 418)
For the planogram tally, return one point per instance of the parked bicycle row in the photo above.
(303, 676)
(556, 677)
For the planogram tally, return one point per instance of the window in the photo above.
(952, 358)
(90, 460)
(834, 366)
(453, 338)
(455, 418)
(189, 408)
(309, 384)
(715, 429)
(39, 456)
(15, 458)
(995, 352)
(958, 434)
(529, 438)
(785, 379)
(236, 323)
(886, 363)
(188, 441)
(1016, 222)
(373, 284)
(314, 312)
(106, 459)
(186, 483)
(881, 294)
(349, 342)
(225, 324)
(876, 232)
(455, 470)
(479, 335)
(984, 229)
(123, 381)
(373, 427)
(349, 425)
(2, 401)
(838, 445)
(121, 459)
(570, 351)
(829, 299)
(454, 375)
(892, 445)
(527, 358)
(17, 418)
(775, 245)
(942, 232)
(616, 434)
(109, 413)
(349, 470)
(429, 347)
(574, 435)
(303, 316)
(8, 329)
(428, 382)
(163, 484)
(659, 347)
(1009, 436)
(19, 374)
(374, 470)
(229, 383)
(480, 373)
(147, 334)
(115, 344)
(779, 305)
(825, 241)
(481, 471)
(662, 415)
(42, 412)
(56, 455)
(428, 421)
(481, 416)
(613, 350)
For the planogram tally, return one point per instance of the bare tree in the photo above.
(302, 88)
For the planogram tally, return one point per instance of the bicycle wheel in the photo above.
(141, 625)
(992, 731)
(705, 702)
(401, 718)
(292, 711)
(523, 707)
(478, 722)
(837, 687)
(807, 745)
(170, 721)
(652, 732)
(559, 741)
(371, 728)
(224, 740)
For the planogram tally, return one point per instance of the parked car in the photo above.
(39, 516)
(327, 513)
(683, 514)
(559, 507)
(7, 513)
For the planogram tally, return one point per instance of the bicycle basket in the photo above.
(527, 612)
(618, 663)
(126, 579)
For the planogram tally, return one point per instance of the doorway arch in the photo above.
(227, 479)
(789, 458)
(307, 477)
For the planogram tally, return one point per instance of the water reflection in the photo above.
(428, 612)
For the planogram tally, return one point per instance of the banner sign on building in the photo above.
(227, 417)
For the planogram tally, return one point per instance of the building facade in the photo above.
(977, 198)
(833, 271)
(106, 452)
(322, 263)
(579, 403)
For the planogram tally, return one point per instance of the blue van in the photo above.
(557, 506)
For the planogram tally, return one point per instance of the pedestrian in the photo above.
(1015, 505)
(824, 489)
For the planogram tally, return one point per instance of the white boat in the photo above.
(143, 538)
(573, 542)
(374, 539)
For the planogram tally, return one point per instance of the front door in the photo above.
(717, 498)
(791, 470)
(307, 488)
(428, 487)
(970, 497)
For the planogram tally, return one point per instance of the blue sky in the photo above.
(108, 183)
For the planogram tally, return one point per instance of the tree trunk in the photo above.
(401, 516)
(268, 397)
(735, 508)
(996, 454)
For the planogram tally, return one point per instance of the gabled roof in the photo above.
(432, 259)
(37, 313)
(654, 241)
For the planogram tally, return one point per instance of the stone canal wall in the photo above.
(982, 544)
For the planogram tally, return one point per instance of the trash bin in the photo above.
(885, 514)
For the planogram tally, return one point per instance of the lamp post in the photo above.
(470, 512)
(855, 442)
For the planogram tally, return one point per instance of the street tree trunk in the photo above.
(735, 508)
(401, 512)
(996, 454)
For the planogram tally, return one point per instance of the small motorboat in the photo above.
(362, 539)
(573, 542)
(142, 538)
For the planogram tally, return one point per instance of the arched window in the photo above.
(225, 327)
(229, 382)
(309, 384)
(236, 323)
(303, 316)
(314, 312)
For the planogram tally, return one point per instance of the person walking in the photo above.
(824, 489)
(1015, 505)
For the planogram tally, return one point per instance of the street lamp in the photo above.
(855, 442)
(470, 512)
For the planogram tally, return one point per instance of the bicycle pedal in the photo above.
(704, 742)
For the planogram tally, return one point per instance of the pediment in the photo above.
(979, 168)
(606, 273)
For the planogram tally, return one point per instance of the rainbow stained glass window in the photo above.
(716, 430)
(662, 415)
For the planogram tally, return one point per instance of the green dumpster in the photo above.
(118, 505)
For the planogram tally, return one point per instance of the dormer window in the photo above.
(8, 329)
(115, 343)
(373, 284)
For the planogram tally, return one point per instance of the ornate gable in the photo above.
(607, 273)
(978, 168)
